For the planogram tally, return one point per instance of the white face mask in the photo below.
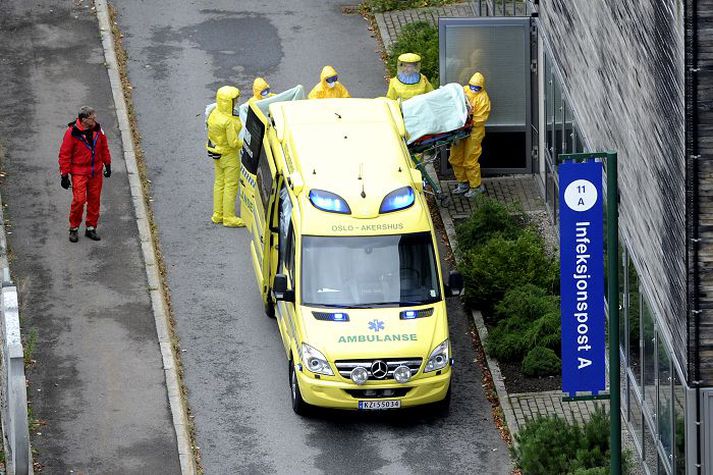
(332, 84)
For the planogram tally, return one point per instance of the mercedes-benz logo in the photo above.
(379, 369)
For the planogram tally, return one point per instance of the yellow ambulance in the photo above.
(345, 254)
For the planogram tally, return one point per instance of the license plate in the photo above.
(379, 405)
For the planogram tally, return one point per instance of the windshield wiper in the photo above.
(400, 303)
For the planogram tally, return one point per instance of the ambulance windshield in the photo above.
(369, 271)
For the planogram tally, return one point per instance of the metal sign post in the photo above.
(583, 200)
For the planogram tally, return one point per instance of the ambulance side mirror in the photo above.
(455, 284)
(280, 290)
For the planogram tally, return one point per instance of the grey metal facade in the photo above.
(622, 65)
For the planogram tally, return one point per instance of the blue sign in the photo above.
(582, 277)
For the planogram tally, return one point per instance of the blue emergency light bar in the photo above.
(413, 314)
(328, 201)
(398, 199)
(331, 316)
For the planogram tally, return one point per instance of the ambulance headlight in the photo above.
(402, 374)
(314, 361)
(400, 198)
(359, 375)
(328, 201)
(438, 359)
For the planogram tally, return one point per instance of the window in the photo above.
(284, 226)
(633, 320)
(637, 421)
(264, 178)
(664, 414)
(648, 386)
(623, 301)
(679, 432)
(368, 271)
(651, 456)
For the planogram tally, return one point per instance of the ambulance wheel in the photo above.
(300, 407)
(443, 408)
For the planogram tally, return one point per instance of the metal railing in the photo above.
(13, 387)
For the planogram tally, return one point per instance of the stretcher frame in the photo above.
(425, 151)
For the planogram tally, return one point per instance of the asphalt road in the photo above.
(235, 370)
(97, 386)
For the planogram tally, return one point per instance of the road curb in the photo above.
(480, 327)
(158, 299)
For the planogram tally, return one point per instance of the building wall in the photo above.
(702, 132)
(622, 68)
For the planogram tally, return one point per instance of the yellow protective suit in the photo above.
(223, 129)
(259, 85)
(398, 90)
(466, 153)
(322, 89)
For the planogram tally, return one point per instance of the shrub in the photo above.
(380, 6)
(551, 445)
(541, 361)
(546, 331)
(527, 302)
(546, 445)
(420, 38)
(501, 264)
(490, 218)
(505, 344)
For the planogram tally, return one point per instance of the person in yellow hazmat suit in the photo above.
(328, 86)
(224, 147)
(466, 153)
(261, 90)
(409, 81)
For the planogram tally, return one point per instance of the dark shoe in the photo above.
(73, 236)
(91, 233)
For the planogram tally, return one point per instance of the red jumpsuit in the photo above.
(83, 155)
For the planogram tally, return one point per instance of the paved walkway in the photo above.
(527, 406)
(97, 386)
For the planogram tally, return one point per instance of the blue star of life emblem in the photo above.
(376, 325)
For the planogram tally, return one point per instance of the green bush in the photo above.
(546, 445)
(506, 344)
(551, 445)
(420, 38)
(527, 302)
(541, 361)
(490, 218)
(546, 331)
(501, 264)
(380, 6)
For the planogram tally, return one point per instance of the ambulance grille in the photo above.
(346, 366)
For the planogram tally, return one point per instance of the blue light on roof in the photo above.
(398, 199)
(327, 201)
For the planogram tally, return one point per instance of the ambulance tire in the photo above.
(300, 407)
(443, 408)
(270, 308)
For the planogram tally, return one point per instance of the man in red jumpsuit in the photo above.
(83, 154)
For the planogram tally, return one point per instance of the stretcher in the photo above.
(433, 122)
(426, 150)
